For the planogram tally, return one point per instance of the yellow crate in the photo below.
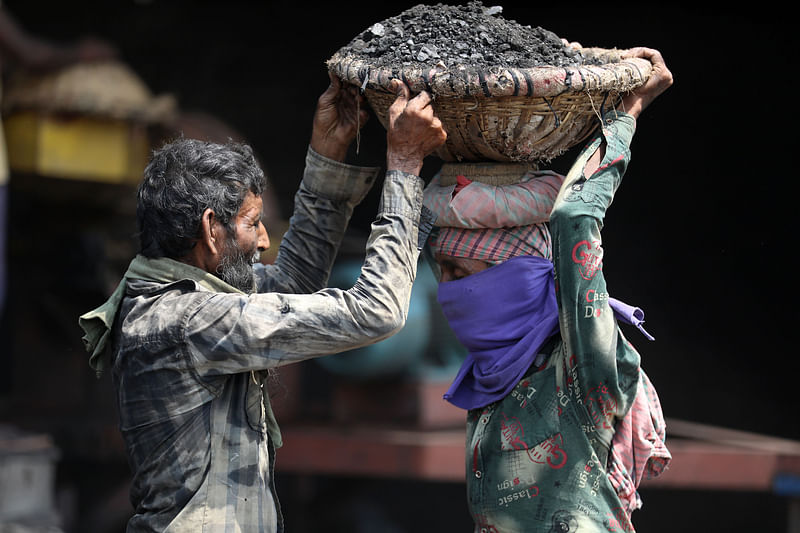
(76, 147)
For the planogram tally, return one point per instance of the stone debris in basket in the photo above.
(503, 91)
(471, 36)
(470, 50)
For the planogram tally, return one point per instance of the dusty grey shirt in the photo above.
(188, 363)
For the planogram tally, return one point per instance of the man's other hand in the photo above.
(341, 111)
(414, 131)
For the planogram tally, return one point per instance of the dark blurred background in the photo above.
(701, 234)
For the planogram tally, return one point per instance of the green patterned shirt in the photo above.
(536, 460)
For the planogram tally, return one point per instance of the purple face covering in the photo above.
(503, 315)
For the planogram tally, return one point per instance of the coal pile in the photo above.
(470, 35)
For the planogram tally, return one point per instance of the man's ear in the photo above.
(210, 232)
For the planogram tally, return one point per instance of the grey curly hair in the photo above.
(182, 180)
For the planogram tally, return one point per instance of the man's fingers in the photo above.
(402, 93)
(335, 81)
(401, 90)
(654, 56)
(421, 100)
(335, 85)
(403, 96)
(632, 52)
(329, 96)
(661, 74)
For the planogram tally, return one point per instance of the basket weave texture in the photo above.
(505, 114)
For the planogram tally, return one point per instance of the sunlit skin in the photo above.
(249, 231)
(454, 268)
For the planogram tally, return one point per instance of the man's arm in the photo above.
(326, 197)
(233, 333)
(330, 189)
(323, 205)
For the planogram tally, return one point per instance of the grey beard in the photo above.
(236, 267)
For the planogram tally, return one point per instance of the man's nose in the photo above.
(263, 238)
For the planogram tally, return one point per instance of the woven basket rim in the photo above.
(491, 173)
(620, 75)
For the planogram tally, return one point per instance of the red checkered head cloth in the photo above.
(492, 211)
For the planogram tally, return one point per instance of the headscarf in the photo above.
(518, 314)
(496, 213)
(492, 212)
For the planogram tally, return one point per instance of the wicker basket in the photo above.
(505, 114)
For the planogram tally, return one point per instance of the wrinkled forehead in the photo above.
(252, 207)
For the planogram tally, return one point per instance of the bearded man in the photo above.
(194, 327)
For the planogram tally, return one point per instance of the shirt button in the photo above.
(478, 474)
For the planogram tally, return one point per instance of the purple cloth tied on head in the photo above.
(502, 316)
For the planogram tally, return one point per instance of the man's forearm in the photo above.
(324, 203)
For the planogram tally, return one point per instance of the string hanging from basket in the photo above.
(358, 113)
(555, 115)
